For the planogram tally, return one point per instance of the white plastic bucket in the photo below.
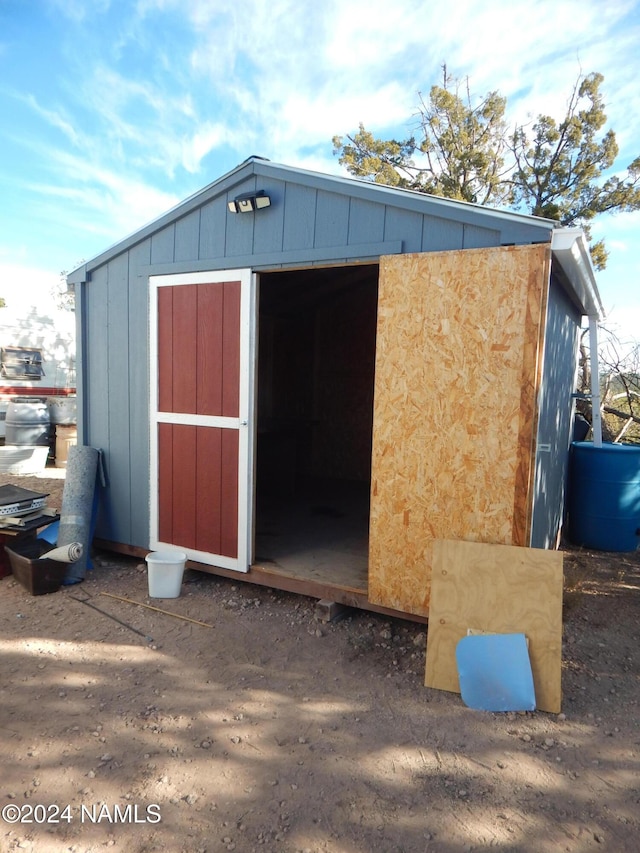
(165, 571)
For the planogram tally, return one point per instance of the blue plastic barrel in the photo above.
(604, 496)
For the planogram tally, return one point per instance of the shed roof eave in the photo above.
(400, 195)
(77, 276)
(569, 246)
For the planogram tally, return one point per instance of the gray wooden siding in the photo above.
(406, 226)
(332, 218)
(555, 425)
(299, 218)
(187, 237)
(441, 235)
(116, 388)
(163, 245)
(311, 221)
(212, 234)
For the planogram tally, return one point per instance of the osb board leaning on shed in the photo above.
(497, 589)
(458, 360)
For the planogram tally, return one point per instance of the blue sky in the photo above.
(115, 110)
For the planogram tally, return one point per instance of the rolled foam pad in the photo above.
(77, 506)
(65, 554)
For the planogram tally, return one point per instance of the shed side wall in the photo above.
(555, 427)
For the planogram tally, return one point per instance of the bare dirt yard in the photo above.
(271, 731)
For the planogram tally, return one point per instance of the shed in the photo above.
(304, 380)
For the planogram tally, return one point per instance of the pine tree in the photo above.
(559, 170)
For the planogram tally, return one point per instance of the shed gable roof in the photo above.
(257, 172)
(260, 168)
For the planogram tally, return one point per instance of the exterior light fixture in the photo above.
(249, 202)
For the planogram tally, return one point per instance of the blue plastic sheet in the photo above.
(495, 674)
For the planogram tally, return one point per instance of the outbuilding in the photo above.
(304, 380)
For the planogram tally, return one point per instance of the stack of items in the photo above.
(22, 513)
(19, 507)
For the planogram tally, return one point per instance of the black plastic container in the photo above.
(37, 576)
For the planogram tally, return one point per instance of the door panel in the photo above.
(199, 348)
(201, 411)
(198, 490)
(455, 409)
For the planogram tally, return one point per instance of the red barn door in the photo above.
(201, 415)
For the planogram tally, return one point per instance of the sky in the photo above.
(114, 111)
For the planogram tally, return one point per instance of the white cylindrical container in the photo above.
(66, 437)
(62, 410)
(165, 571)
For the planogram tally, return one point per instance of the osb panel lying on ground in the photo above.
(455, 415)
(497, 589)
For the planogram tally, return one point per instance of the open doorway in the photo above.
(315, 374)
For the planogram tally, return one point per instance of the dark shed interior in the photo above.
(316, 359)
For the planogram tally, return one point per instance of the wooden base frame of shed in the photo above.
(300, 581)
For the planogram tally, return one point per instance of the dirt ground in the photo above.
(266, 730)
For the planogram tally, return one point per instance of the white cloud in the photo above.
(101, 199)
(55, 118)
(207, 138)
(24, 286)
